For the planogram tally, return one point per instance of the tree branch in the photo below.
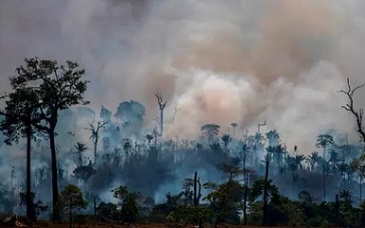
(160, 101)
(349, 107)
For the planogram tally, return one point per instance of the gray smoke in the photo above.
(216, 61)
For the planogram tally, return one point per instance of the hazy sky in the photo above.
(217, 61)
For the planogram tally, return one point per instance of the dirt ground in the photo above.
(50, 225)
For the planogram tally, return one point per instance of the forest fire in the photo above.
(182, 113)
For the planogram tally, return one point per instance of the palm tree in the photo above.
(273, 137)
(80, 147)
(226, 140)
(298, 160)
(324, 141)
(199, 146)
(343, 168)
(259, 187)
(215, 147)
(149, 138)
(346, 195)
(312, 160)
(270, 153)
(292, 164)
(95, 135)
(210, 131)
(279, 153)
(127, 146)
(359, 166)
(234, 125)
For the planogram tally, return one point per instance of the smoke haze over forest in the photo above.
(216, 61)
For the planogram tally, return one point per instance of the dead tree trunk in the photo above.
(197, 195)
(162, 105)
(29, 200)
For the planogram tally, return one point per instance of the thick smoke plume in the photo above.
(216, 61)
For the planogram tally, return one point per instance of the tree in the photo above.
(210, 130)
(56, 88)
(346, 196)
(37, 206)
(234, 125)
(312, 160)
(127, 146)
(245, 148)
(350, 107)
(84, 172)
(226, 140)
(273, 137)
(130, 209)
(94, 129)
(324, 141)
(72, 199)
(149, 138)
(80, 148)
(293, 166)
(305, 196)
(225, 197)
(299, 159)
(20, 113)
(162, 106)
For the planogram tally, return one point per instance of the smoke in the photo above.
(221, 62)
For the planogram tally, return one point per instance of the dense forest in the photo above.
(131, 174)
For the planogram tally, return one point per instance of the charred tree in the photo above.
(195, 189)
(350, 107)
(162, 106)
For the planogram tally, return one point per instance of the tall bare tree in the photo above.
(94, 129)
(350, 107)
(162, 106)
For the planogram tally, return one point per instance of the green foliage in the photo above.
(324, 141)
(72, 199)
(129, 208)
(226, 139)
(107, 212)
(43, 88)
(225, 200)
(305, 196)
(191, 215)
(20, 113)
(258, 190)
